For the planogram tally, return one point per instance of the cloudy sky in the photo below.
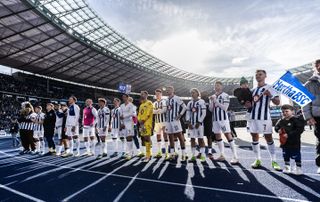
(220, 38)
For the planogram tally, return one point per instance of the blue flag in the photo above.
(291, 87)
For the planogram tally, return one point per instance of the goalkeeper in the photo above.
(290, 128)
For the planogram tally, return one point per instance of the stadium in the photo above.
(62, 48)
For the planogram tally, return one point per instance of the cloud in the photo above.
(185, 50)
(220, 38)
(239, 60)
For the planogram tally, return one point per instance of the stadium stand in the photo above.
(67, 40)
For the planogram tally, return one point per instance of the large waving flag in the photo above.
(291, 87)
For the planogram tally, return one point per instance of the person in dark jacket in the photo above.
(311, 111)
(208, 124)
(64, 137)
(14, 129)
(49, 126)
(290, 128)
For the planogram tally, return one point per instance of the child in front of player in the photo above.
(290, 127)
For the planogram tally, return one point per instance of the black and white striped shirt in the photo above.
(196, 111)
(159, 111)
(115, 118)
(39, 126)
(173, 108)
(59, 117)
(261, 108)
(219, 114)
(103, 117)
(27, 123)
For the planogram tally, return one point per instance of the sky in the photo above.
(220, 38)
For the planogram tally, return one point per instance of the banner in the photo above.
(291, 87)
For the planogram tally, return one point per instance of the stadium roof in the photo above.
(66, 39)
(303, 73)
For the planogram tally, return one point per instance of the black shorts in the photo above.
(289, 153)
(207, 130)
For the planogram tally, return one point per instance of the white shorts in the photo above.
(59, 132)
(158, 127)
(173, 127)
(248, 121)
(261, 126)
(115, 133)
(128, 130)
(88, 131)
(196, 132)
(70, 133)
(38, 134)
(221, 127)
(248, 126)
(102, 133)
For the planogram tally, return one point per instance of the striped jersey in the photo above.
(103, 117)
(196, 111)
(260, 109)
(173, 108)
(218, 114)
(28, 124)
(159, 111)
(59, 117)
(115, 118)
(39, 126)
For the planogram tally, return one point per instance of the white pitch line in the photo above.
(53, 170)
(169, 183)
(213, 189)
(28, 171)
(125, 189)
(85, 188)
(163, 169)
(158, 164)
(99, 180)
(223, 167)
(20, 193)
